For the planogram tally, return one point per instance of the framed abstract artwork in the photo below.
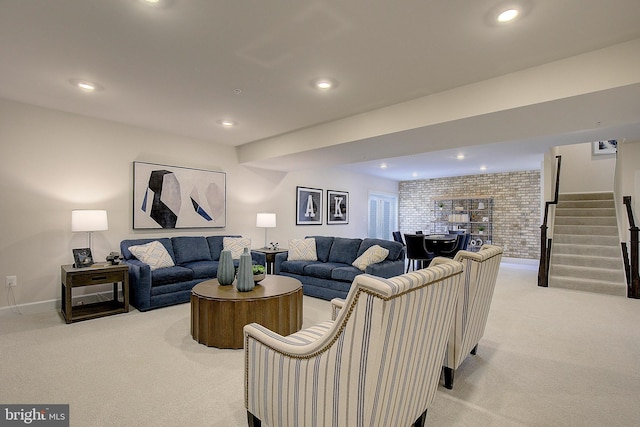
(337, 207)
(176, 197)
(308, 206)
(605, 147)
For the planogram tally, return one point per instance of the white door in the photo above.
(383, 215)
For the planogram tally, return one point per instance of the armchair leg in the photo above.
(421, 420)
(253, 420)
(448, 377)
(474, 349)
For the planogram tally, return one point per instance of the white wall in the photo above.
(628, 184)
(52, 162)
(582, 172)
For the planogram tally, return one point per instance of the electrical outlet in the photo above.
(12, 281)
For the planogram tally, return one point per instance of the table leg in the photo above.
(125, 292)
(66, 303)
(270, 261)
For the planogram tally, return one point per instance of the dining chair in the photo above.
(465, 244)
(417, 251)
(454, 247)
(397, 236)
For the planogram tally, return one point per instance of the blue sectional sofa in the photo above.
(331, 275)
(195, 258)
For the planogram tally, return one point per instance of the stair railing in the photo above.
(545, 243)
(631, 268)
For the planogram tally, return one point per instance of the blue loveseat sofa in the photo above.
(331, 275)
(195, 258)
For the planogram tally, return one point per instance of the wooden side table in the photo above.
(219, 313)
(95, 275)
(270, 255)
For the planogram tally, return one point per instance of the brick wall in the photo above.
(516, 206)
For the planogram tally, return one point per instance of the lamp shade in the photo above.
(266, 220)
(89, 220)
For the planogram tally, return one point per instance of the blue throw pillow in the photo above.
(189, 249)
(344, 250)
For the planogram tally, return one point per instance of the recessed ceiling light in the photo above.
(483, 168)
(227, 123)
(460, 156)
(324, 84)
(508, 11)
(86, 85)
(508, 15)
(383, 166)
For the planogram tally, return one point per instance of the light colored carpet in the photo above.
(549, 357)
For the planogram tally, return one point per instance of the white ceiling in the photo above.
(179, 67)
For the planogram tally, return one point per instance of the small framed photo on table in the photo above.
(82, 257)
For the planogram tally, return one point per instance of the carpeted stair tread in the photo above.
(584, 211)
(589, 240)
(609, 251)
(586, 220)
(612, 263)
(589, 285)
(586, 230)
(581, 204)
(585, 196)
(604, 274)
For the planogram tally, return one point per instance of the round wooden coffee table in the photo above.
(219, 313)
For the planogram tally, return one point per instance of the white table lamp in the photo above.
(89, 221)
(266, 220)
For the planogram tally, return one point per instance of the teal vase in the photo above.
(245, 273)
(226, 270)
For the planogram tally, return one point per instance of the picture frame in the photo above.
(337, 207)
(170, 197)
(308, 206)
(605, 147)
(82, 257)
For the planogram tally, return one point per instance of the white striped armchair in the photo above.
(377, 364)
(472, 310)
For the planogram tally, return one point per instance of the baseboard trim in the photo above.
(55, 304)
(523, 261)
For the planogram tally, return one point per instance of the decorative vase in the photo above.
(245, 273)
(226, 270)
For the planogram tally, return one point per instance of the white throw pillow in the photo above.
(374, 254)
(236, 245)
(302, 250)
(153, 253)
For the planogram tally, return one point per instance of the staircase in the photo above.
(586, 252)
